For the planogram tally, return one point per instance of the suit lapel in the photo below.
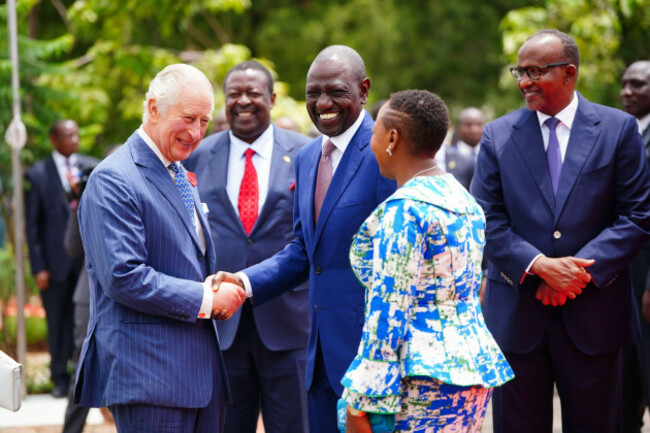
(306, 192)
(57, 187)
(581, 142)
(218, 164)
(160, 178)
(527, 137)
(348, 166)
(281, 172)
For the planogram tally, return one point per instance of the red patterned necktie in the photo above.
(249, 194)
(323, 179)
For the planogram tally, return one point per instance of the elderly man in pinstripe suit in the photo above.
(152, 353)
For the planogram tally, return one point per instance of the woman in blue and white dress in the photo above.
(425, 353)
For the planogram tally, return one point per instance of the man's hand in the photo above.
(547, 296)
(357, 424)
(565, 275)
(226, 299)
(226, 277)
(42, 279)
(645, 305)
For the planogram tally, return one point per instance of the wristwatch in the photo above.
(356, 412)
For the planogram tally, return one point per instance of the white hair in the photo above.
(168, 84)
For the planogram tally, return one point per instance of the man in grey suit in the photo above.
(264, 348)
(635, 96)
(55, 272)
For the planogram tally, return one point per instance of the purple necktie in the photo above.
(323, 179)
(553, 153)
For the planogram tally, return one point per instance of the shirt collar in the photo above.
(644, 122)
(566, 116)
(60, 159)
(153, 147)
(263, 145)
(341, 141)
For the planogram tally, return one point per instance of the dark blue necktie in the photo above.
(183, 185)
(553, 155)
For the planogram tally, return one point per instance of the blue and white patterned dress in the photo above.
(425, 353)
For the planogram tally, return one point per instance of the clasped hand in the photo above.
(228, 294)
(564, 278)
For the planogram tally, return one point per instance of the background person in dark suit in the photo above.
(263, 348)
(461, 166)
(469, 130)
(152, 353)
(635, 96)
(561, 233)
(326, 216)
(55, 272)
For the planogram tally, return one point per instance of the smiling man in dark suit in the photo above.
(250, 199)
(566, 193)
(55, 272)
(338, 185)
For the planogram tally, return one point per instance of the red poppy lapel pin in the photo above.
(191, 178)
(292, 186)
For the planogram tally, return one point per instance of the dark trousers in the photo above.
(322, 399)
(261, 378)
(59, 314)
(589, 387)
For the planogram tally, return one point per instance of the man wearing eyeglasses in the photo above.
(566, 193)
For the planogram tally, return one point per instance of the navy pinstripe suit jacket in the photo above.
(146, 268)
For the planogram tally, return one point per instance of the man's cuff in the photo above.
(206, 305)
(530, 265)
(247, 284)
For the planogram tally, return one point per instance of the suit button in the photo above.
(557, 234)
(249, 241)
(200, 257)
(316, 307)
(318, 270)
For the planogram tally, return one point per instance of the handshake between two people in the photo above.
(228, 294)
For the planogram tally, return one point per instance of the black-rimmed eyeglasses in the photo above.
(534, 72)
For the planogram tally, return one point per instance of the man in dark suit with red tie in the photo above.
(566, 193)
(246, 178)
(55, 272)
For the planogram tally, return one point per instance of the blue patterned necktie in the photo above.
(183, 185)
(553, 155)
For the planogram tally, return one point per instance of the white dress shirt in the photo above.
(62, 169)
(563, 129)
(644, 123)
(563, 132)
(340, 143)
(263, 148)
(206, 305)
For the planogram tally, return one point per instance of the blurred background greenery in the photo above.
(91, 60)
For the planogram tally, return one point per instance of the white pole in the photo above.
(16, 137)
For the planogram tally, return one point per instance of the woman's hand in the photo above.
(357, 423)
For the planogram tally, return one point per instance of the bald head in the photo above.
(337, 89)
(343, 55)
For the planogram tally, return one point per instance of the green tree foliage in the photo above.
(451, 48)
